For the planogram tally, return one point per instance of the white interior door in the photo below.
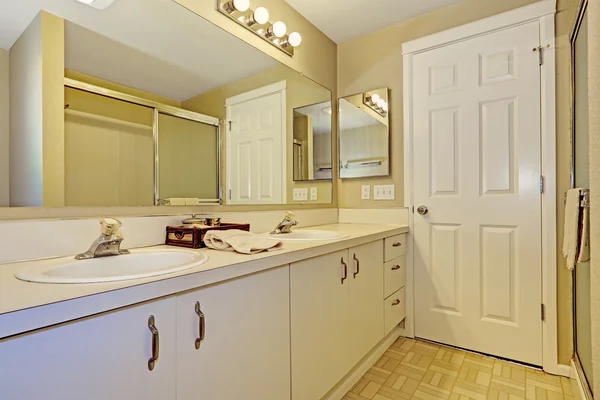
(256, 148)
(477, 168)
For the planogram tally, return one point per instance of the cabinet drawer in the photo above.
(394, 275)
(395, 310)
(394, 246)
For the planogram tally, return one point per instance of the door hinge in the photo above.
(543, 312)
(229, 194)
(229, 122)
(541, 183)
(540, 51)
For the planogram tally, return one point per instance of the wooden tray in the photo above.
(194, 237)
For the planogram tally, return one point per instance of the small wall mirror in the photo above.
(312, 142)
(364, 134)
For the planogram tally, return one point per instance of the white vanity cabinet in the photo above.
(233, 339)
(337, 316)
(98, 358)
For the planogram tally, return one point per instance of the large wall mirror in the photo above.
(364, 134)
(146, 103)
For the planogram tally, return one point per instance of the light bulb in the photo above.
(385, 107)
(261, 15)
(295, 39)
(381, 103)
(279, 29)
(241, 5)
(375, 98)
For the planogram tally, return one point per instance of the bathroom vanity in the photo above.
(290, 324)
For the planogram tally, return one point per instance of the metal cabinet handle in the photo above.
(396, 302)
(155, 343)
(397, 244)
(201, 325)
(395, 268)
(357, 270)
(345, 275)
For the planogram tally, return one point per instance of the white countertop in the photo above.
(26, 306)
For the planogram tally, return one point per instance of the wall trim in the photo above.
(4, 128)
(484, 26)
(256, 93)
(544, 13)
(578, 386)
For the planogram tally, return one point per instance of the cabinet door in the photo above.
(245, 350)
(319, 304)
(366, 299)
(98, 358)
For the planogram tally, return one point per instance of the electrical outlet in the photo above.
(314, 194)
(366, 192)
(301, 194)
(385, 192)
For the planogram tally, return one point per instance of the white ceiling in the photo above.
(343, 20)
(152, 45)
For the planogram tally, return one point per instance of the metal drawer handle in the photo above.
(396, 302)
(201, 325)
(395, 268)
(155, 343)
(397, 244)
(357, 270)
(345, 275)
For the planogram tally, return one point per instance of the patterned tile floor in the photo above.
(414, 369)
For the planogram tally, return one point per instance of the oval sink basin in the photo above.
(308, 235)
(138, 264)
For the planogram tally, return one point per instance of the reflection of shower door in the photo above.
(581, 274)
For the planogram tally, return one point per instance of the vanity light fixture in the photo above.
(257, 22)
(98, 4)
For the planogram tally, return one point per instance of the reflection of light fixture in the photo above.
(375, 98)
(99, 4)
(376, 103)
(257, 21)
(237, 5)
(278, 30)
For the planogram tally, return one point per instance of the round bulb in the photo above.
(241, 5)
(381, 103)
(279, 29)
(261, 15)
(385, 107)
(375, 98)
(295, 39)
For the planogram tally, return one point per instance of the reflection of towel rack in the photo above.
(365, 163)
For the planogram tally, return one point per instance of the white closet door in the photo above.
(477, 169)
(255, 153)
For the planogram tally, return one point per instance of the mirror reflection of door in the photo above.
(312, 142)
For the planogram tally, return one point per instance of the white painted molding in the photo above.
(256, 93)
(543, 12)
(384, 216)
(346, 384)
(564, 370)
(579, 392)
(4, 129)
(484, 26)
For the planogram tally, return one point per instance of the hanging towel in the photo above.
(192, 201)
(240, 241)
(584, 242)
(177, 201)
(571, 238)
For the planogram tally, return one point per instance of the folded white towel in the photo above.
(584, 242)
(240, 241)
(571, 236)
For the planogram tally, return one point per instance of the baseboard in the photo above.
(346, 384)
(579, 388)
(564, 370)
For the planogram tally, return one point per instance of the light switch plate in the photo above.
(366, 192)
(314, 194)
(385, 192)
(301, 194)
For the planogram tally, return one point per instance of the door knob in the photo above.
(422, 210)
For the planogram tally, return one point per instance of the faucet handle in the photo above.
(290, 216)
(110, 226)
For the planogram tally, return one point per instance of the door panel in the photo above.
(477, 169)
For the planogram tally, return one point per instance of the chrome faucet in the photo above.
(286, 225)
(109, 242)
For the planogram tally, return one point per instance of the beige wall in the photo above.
(300, 92)
(375, 60)
(4, 129)
(594, 99)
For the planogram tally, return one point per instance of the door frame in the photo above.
(278, 87)
(544, 12)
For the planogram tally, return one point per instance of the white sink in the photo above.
(139, 264)
(309, 235)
